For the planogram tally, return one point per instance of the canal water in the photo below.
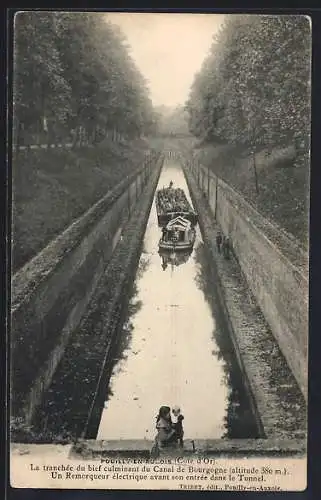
(174, 348)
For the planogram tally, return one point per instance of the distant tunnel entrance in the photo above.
(172, 155)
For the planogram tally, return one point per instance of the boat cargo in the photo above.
(177, 235)
(171, 203)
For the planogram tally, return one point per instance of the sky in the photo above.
(168, 49)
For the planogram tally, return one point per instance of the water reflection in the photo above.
(172, 259)
(173, 348)
(239, 420)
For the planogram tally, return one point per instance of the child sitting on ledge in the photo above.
(178, 424)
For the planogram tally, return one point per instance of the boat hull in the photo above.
(176, 247)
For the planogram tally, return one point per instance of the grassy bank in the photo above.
(282, 182)
(67, 404)
(51, 188)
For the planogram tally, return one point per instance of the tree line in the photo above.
(254, 87)
(74, 78)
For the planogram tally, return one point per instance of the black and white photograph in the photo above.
(159, 310)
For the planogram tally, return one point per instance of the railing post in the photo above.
(129, 205)
(216, 191)
(255, 174)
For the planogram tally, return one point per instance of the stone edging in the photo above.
(277, 399)
(27, 279)
(93, 449)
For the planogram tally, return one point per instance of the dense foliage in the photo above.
(74, 77)
(253, 88)
(172, 121)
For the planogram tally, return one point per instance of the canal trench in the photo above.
(174, 347)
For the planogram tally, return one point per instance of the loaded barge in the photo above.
(172, 203)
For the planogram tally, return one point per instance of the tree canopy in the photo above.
(73, 72)
(254, 87)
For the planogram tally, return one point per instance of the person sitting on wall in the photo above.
(166, 434)
(178, 424)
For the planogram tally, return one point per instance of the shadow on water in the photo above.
(57, 412)
(240, 421)
(117, 357)
(121, 349)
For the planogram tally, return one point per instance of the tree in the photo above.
(73, 72)
(253, 88)
(41, 93)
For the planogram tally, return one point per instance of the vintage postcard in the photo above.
(159, 280)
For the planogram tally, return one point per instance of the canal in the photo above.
(174, 348)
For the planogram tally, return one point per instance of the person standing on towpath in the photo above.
(226, 247)
(219, 241)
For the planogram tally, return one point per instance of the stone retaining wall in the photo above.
(71, 409)
(51, 292)
(274, 266)
(275, 396)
